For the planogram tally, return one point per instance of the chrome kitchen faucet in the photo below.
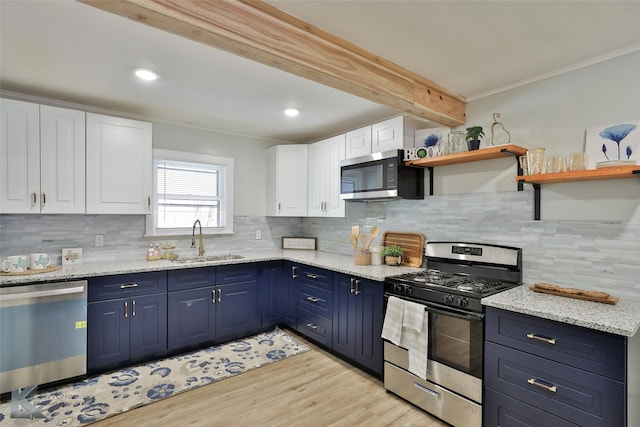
(193, 238)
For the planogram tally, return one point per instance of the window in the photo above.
(187, 187)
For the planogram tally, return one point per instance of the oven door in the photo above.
(455, 337)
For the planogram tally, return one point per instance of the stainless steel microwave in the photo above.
(380, 176)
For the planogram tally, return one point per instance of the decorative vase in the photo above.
(392, 260)
(473, 144)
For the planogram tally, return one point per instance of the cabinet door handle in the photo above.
(537, 382)
(34, 199)
(548, 340)
(312, 326)
(44, 199)
(130, 285)
(352, 288)
(126, 309)
(219, 295)
(213, 296)
(148, 203)
(133, 308)
(313, 299)
(279, 206)
(357, 292)
(293, 272)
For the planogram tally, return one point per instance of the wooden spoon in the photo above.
(355, 230)
(375, 230)
(354, 241)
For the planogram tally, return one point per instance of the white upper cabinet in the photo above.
(392, 134)
(358, 142)
(62, 164)
(119, 165)
(287, 180)
(42, 161)
(388, 135)
(324, 177)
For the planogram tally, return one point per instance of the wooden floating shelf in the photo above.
(614, 172)
(495, 152)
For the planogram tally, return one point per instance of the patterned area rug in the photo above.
(109, 394)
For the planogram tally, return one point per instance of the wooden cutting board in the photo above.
(411, 243)
(546, 288)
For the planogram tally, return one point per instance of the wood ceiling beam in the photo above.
(263, 33)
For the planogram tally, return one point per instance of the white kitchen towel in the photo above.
(392, 326)
(413, 316)
(418, 345)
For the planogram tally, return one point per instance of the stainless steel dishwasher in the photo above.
(43, 333)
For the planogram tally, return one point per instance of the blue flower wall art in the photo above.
(613, 145)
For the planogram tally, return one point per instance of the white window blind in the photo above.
(190, 187)
(189, 191)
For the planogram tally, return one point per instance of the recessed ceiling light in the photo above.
(147, 75)
(292, 112)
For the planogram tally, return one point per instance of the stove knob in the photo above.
(409, 290)
(463, 302)
(448, 299)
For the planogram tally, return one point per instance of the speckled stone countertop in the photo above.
(622, 318)
(334, 262)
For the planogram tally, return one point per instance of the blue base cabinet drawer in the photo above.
(314, 326)
(315, 300)
(587, 349)
(567, 392)
(507, 412)
(104, 288)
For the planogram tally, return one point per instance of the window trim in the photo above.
(181, 156)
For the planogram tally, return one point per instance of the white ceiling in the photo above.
(64, 50)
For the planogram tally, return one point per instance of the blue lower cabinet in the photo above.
(505, 411)
(192, 317)
(237, 311)
(214, 313)
(289, 294)
(358, 310)
(126, 319)
(126, 330)
(271, 289)
(539, 372)
(314, 326)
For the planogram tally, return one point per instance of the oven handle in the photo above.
(439, 309)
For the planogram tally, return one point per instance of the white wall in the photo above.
(554, 113)
(249, 155)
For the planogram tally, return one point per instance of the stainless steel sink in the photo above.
(208, 258)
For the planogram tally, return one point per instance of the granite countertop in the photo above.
(622, 318)
(334, 262)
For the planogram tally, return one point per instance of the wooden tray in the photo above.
(610, 299)
(411, 243)
(29, 271)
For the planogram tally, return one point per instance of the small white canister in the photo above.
(376, 255)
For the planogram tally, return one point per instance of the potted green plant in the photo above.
(392, 255)
(473, 136)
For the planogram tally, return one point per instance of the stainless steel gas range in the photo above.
(457, 277)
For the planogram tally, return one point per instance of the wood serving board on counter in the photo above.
(411, 243)
(573, 293)
(29, 271)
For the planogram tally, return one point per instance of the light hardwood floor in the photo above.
(312, 389)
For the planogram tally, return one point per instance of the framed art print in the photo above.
(613, 145)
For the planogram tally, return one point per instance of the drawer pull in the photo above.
(312, 276)
(541, 338)
(427, 390)
(551, 388)
(132, 285)
(313, 299)
(312, 326)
